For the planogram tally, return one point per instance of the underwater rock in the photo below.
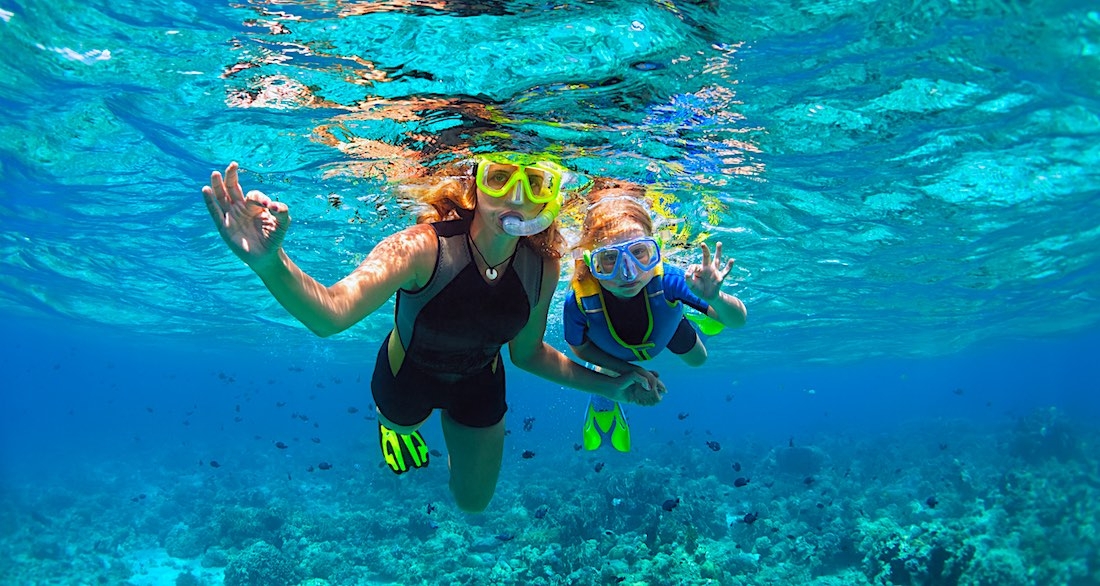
(214, 558)
(260, 565)
(799, 461)
(485, 544)
(185, 543)
(1044, 434)
(187, 579)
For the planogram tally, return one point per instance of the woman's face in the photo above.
(495, 209)
(629, 280)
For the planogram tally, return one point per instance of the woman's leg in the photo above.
(475, 455)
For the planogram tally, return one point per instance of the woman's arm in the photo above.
(254, 225)
(397, 262)
(530, 352)
(608, 363)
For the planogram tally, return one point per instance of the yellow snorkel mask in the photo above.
(518, 176)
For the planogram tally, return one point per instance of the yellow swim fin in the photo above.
(605, 418)
(400, 451)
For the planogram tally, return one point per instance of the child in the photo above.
(627, 306)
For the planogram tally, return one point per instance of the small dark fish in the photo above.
(200, 462)
(430, 508)
(670, 504)
(353, 410)
(790, 442)
(215, 464)
(141, 496)
(315, 440)
(714, 446)
(528, 423)
(324, 466)
(750, 518)
(506, 536)
(577, 447)
(682, 415)
(943, 446)
(528, 454)
(236, 419)
(436, 453)
(281, 445)
(821, 505)
(729, 398)
(237, 408)
(149, 409)
(310, 469)
(288, 476)
(741, 481)
(598, 466)
(808, 480)
(959, 391)
(737, 466)
(280, 404)
(541, 511)
(931, 502)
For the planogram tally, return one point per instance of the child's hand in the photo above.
(705, 280)
(639, 395)
(648, 379)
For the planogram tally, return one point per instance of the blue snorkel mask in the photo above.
(625, 259)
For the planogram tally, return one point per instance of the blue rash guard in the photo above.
(658, 310)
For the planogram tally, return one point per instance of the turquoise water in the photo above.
(910, 191)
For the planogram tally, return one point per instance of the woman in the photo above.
(477, 271)
(627, 306)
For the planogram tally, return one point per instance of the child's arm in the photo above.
(705, 281)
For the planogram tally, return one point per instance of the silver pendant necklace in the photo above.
(490, 271)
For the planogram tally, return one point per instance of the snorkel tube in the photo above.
(518, 227)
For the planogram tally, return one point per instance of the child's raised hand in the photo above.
(705, 280)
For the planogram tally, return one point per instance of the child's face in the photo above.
(629, 280)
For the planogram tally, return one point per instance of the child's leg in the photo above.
(686, 344)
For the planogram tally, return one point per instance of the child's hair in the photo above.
(450, 193)
(613, 207)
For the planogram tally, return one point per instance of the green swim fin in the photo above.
(707, 325)
(605, 418)
(400, 450)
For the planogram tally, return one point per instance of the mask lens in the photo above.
(604, 262)
(645, 253)
(499, 179)
(496, 177)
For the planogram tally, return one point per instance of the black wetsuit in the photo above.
(452, 330)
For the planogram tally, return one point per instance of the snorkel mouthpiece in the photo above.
(518, 227)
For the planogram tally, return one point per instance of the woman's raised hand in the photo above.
(252, 225)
